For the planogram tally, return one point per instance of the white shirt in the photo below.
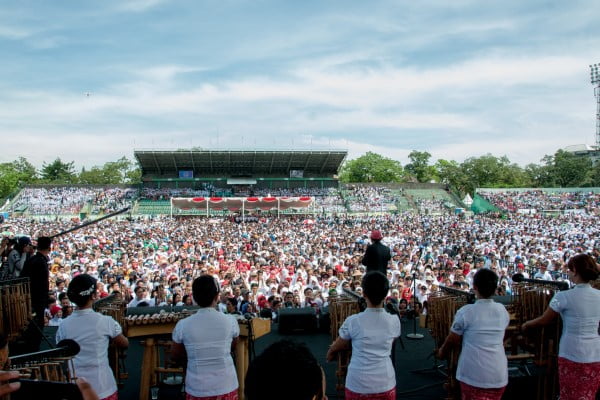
(580, 312)
(207, 337)
(372, 333)
(482, 362)
(92, 331)
(545, 275)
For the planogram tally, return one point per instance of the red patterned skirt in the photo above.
(389, 395)
(229, 396)
(578, 381)
(469, 392)
(114, 396)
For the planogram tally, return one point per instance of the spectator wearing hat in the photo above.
(93, 332)
(377, 256)
(56, 316)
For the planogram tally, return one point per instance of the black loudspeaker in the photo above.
(297, 320)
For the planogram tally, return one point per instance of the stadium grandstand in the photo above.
(546, 201)
(198, 181)
(221, 182)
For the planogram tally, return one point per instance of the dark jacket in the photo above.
(36, 269)
(376, 257)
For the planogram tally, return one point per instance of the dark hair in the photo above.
(486, 282)
(81, 289)
(305, 371)
(204, 289)
(585, 266)
(44, 243)
(375, 286)
(233, 301)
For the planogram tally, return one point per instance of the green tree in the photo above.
(452, 174)
(372, 167)
(491, 171)
(93, 176)
(59, 172)
(14, 174)
(567, 169)
(121, 171)
(419, 166)
(594, 175)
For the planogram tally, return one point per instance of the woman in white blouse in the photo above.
(93, 332)
(482, 366)
(579, 348)
(205, 340)
(371, 334)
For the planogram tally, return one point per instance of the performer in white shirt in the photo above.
(482, 365)
(93, 332)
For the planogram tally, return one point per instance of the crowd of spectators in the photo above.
(57, 200)
(207, 190)
(426, 206)
(539, 200)
(113, 199)
(285, 262)
(370, 199)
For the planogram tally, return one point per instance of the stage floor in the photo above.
(414, 356)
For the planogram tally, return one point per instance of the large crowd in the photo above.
(538, 200)
(294, 261)
(268, 263)
(287, 262)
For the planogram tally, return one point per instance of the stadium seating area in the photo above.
(371, 199)
(152, 202)
(543, 201)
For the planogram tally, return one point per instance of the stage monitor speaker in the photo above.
(297, 320)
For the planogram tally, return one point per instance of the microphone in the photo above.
(560, 285)
(65, 348)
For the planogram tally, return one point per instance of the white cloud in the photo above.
(14, 32)
(138, 5)
(381, 82)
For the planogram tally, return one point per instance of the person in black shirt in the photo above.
(36, 269)
(377, 256)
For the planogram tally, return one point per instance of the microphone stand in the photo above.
(414, 335)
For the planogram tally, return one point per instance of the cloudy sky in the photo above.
(90, 81)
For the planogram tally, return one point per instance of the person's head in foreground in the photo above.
(485, 283)
(205, 291)
(584, 267)
(375, 287)
(302, 378)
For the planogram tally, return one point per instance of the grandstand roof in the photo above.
(239, 162)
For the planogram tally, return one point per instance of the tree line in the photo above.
(563, 169)
(20, 172)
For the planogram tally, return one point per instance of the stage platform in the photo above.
(415, 356)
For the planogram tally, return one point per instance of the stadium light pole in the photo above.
(595, 78)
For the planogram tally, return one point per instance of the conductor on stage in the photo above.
(377, 256)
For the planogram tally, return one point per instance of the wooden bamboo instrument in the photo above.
(340, 308)
(15, 306)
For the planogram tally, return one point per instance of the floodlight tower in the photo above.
(595, 76)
